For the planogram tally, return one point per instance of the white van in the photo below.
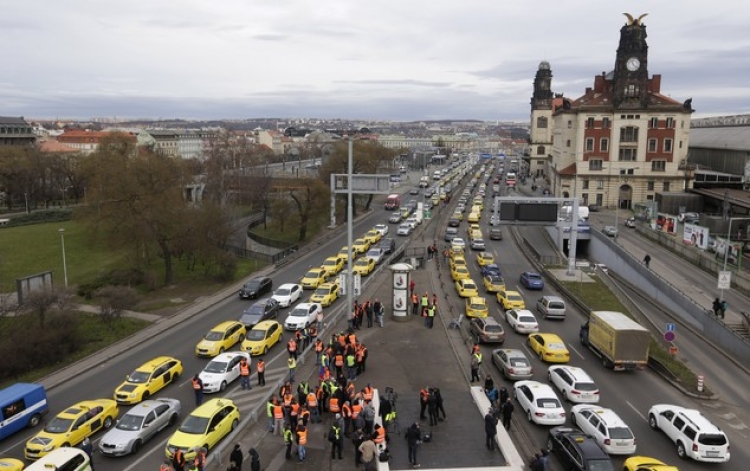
(694, 435)
(62, 459)
(436, 175)
(551, 307)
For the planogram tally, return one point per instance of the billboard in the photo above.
(729, 250)
(666, 223)
(695, 235)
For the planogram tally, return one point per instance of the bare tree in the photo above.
(113, 301)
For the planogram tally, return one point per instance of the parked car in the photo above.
(577, 451)
(487, 330)
(264, 309)
(609, 430)
(522, 321)
(388, 245)
(287, 294)
(532, 280)
(139, 425)
(630, 222)
(376, 254)
(539, 402)
(611, 231)
(404, 229)
(222, 370)
(256, 287)
(512, 363)
(574, 383)
(302, 316)
(454, 222)
(450, 234)
(477, 244)
(496, 233)
(693, 434)
(395, 218)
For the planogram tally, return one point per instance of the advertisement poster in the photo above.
(666, 223)
(400, 293)
(695, 235)
(734, 248)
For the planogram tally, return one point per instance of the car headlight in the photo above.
(49, 447)
(133, 395)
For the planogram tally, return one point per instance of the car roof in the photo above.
(288, 285)
(577, 373)
(144, 407)
(476, 299)
(538, 388)
(154, 362)
(549, 337)
(226, 356)
(265, 325)
(208, 408)
(587, 444)
(259, 278)
(510, 352)
(609, 416)
(225, 325)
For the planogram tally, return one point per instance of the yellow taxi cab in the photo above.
(313, 278)
(71, 426)
(364, 266)
(222, 337)
(493, 283)
(435, 200)
(485, 258)
(333, 265)
(344, 253)
(475, 235)
(478, 202)
(405, 213)
(148, 379)
(476, 306)
(204, 427)
(325, 294)
(466, 288)
(458, 215)
(11, 464)
(549, 347)
(458, 245)
(458, 260)
(263, 336)
(361, 246)
(645, 463)
(510, 300)
(443, 195)
(459, 272)
(473, 217)
(473, 227)
(373, 236)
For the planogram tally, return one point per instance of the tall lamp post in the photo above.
(65, 264)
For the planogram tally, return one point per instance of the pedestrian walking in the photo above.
(369, 312)
(301, 443)
(178, 460)
(236, 457)
(507, 410)
(716, 306)
(245, 376)
(490, 430)
(88, 448)
(291, 363)
(647, 260)
(197, 390)
(431, 316)
(261, 372)
(724, 308)
(414, 304)
(336, 437)
(474, 368)
(254, 459)
(413, 440)
(288, 440)
(369, 452)
(439, 400)
(412, 285)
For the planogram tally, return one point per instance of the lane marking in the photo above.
(637, 411)
(577, 352)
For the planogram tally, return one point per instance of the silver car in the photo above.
(139, 425)
(512, 363)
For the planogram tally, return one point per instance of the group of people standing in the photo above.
(366, 311)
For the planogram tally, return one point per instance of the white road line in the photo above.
(577, 352)
(137, 462)
(637, 411)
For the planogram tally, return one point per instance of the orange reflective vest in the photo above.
(368, 393)
(288, 399)
(350, 391)
(302, 436)
(305, 415)
(244, 368)
(339, 360)
(292, 346)
(200, 460)
(197, 384)
(346, 411)
(361, 354)
(261, 366)
(333, 405)
(414, 299)
(165, 467)
(312, 400)
(295, 410)
(318, 346)
(352, 339)
(356, 409)
(381, 435)
(278, 412)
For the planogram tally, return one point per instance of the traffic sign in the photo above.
(673, 350)
(725, 280)
(669, 336)
(670, 327)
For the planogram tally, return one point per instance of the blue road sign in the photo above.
(670, 327)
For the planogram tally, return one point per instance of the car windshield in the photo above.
(470, 286)
(477, 306)
(527, 319)
(139, 376)
(323, 291)
(58, 425)
(600, 465)
(362, 262)
(556, 346)
(547, 403)
(130, 422)
(534, 277)
(194, 425)
(256, 335)
(252, 285)
(214, 335)
(216, 367)
(515, 297)
(373, 253)
(518, 362)
(330, 263)
(312, 274)
(255, 309)
(299, 312)
(620, 433)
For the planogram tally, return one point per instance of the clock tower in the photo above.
(630, 81)
(540, 132)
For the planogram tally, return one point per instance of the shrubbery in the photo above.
(40, 216)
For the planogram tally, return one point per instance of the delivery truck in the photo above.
(618, 340)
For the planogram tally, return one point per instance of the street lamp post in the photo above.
(65, 264)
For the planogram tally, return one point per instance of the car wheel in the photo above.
(572, 419)
(223, 386)
(550, 444)
(234, 424)
(528, 415)
(221, 350)
(145, 396)
(173, 419)
(242, 339)
(681, 451)
(108, 422)
(34, 420)
(136, 446)
(265, 350)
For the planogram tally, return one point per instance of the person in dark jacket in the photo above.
(490, 430)
(413, 439)
(254, 460)
(236, 456)
(507, 410)
(439, 399)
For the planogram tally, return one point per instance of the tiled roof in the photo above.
(12, 120)
(55, 147)
(569, 170)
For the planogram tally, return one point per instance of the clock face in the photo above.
(633, 64)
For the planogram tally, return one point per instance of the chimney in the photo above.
(655, 83)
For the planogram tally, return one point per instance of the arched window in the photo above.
(540, 150)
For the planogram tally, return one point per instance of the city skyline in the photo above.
(387, 61)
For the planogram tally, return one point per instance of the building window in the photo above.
(585, 198)
(589, 144)
(650, 185)
(604, 145)
(541, 122)
(632, 90)
(585, 184)
(665, 186)
(590, 123)
(595, 164)
(629, 134)
(567, 143)
(668, 146)
(606, 123)
(570, 124)
(652, 145)
(600, 184)
(628, 155)
(599, 199)
(670, 123)
(540, 150)
(680, 144)
(653, 123)
(658, 165)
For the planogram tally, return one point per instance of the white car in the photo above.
(287, 294)
(375, 254)
(404, 229)
(413, 221)
(222, 370)
(522, 321)
(540, 402)
(694, 435)
(458, 243)
(302, 316)
(609, 430)
(573, 383)
(382, 228)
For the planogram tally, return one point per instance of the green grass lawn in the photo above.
(32, 249)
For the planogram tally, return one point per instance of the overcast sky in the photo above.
(382, 59)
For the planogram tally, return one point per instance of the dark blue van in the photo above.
(21, 405)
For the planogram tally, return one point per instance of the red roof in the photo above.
(56, 147)
(569, 170)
